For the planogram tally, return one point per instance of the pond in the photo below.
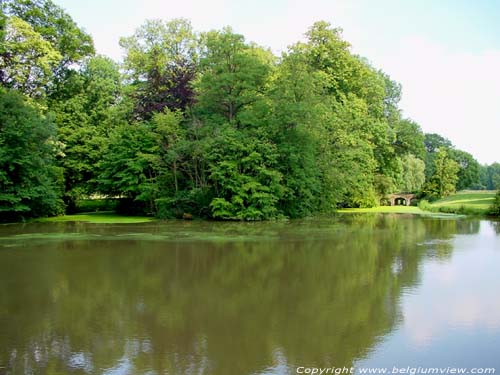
(358, 291)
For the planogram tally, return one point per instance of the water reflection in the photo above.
(211, 298)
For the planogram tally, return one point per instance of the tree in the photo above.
(433, 142)
(28, 60)
(30, 183)
(3, 20)
(409, 139)
(445, 177)
(413, 174)
(140, 162)
(495, 207)
(86, 104)
(130, 167)
(392, 97)
(344, 72)
(55, 27)
(468, 174)
(295, 95)
(161, 61)
(243, 170)
(233, 77)
(354, 119)
(491, 177)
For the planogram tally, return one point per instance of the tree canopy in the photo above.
(206, 123)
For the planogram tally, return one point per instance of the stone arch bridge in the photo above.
(400, 199)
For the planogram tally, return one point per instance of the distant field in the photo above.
(467, 201)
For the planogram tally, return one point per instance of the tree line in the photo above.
(205, 124)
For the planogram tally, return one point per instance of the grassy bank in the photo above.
(386, 209)
(99, 218)
(468, 202)
(465, 202)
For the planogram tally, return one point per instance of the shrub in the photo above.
(495, 207)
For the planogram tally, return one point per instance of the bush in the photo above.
(495, 207)
(424, 205)
(30, 181)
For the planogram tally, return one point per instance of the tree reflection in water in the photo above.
(224, 299)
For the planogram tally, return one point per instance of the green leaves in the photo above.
(161, 63)
(233, 76)
(207, 124)
(246, 182)
(30, 183)
(445, 177)
(413, 175)
(495, 207)
(56, 27)
(29, 60)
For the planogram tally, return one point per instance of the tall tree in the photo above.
(296, 111)
(161, 61)
(493, 171)
(443, 181)
(413, 175)
(433, 142)
(87, 105)
(495, 207)
(409, 139)
(233, 77)
(30, 182)
(468, 174)
(56, 27)
(27, 61)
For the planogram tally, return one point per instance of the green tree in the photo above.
(409, 139)
(495, 207)
(413, 175)
(28, 60)
(243, 170)
(468, 174)
(433, 142)
(140, 162)
(355, 136)
(295, 95)
(30, 182)
(391, 99)
(233, 77)
(161, 62)
(55, 27)
(443, 182)
(130, 167)
(87, 106)
(493, 176)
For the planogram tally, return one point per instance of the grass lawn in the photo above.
(99, 217)
(467, 201)
(387, 209)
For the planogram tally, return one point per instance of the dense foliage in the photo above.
(495, 208)
(206, 124)
(30, 182)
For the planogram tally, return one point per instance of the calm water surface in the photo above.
(249, 298)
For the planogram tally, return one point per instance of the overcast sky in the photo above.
(445, 53)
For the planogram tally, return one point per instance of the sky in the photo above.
(446, 54)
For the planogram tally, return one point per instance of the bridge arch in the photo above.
(401, 199)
